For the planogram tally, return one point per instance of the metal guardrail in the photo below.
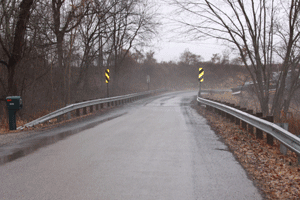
(288, 139)
(84, 104)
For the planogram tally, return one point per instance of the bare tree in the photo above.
(65, 19)
(262, 32)
(13, 40)
(132, 24)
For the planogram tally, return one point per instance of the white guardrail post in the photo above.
(83, 105)
(272, 130)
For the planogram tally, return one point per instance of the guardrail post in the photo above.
(97, 107)
(244, 124)
(108, 104)
(101, 106)
(231, 117)
(91, 109)
(69, 115)
(84, 111)
(209, 108)
(250, 127)
(237, 120)
(270, 138)
(259, 133)
(77, 112)
(283, 148)
(228, 116)
(60, 118)
(215, 110)
(224, 113)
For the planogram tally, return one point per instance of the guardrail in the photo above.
(286, 138)
(83, 105)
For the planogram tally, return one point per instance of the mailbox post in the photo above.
(13, 104)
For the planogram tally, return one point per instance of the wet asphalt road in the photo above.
(158, 148)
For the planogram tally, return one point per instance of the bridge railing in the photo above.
(286, 138)
(83, 105)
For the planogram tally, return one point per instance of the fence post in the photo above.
(259, 133)
(270, 138)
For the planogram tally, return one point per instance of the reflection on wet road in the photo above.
(160, 149)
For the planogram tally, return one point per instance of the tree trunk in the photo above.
(18, 44)
(61, 78)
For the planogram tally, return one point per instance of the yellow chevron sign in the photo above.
(107, 76)
(201, 74)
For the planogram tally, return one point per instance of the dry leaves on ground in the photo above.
(277, 176)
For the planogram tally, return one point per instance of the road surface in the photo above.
(157, 148)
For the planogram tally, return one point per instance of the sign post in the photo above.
(200, 77)
(148, 81)
(107, 78)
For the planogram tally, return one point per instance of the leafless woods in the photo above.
(51, 46)
(265, 35)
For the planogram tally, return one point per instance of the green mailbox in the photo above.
(13, 104)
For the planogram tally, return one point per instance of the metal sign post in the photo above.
(148, 81)
(107, 78)
(200, 77)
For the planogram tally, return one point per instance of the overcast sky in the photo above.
(167, 47)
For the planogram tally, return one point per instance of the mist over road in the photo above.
(158, 148)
